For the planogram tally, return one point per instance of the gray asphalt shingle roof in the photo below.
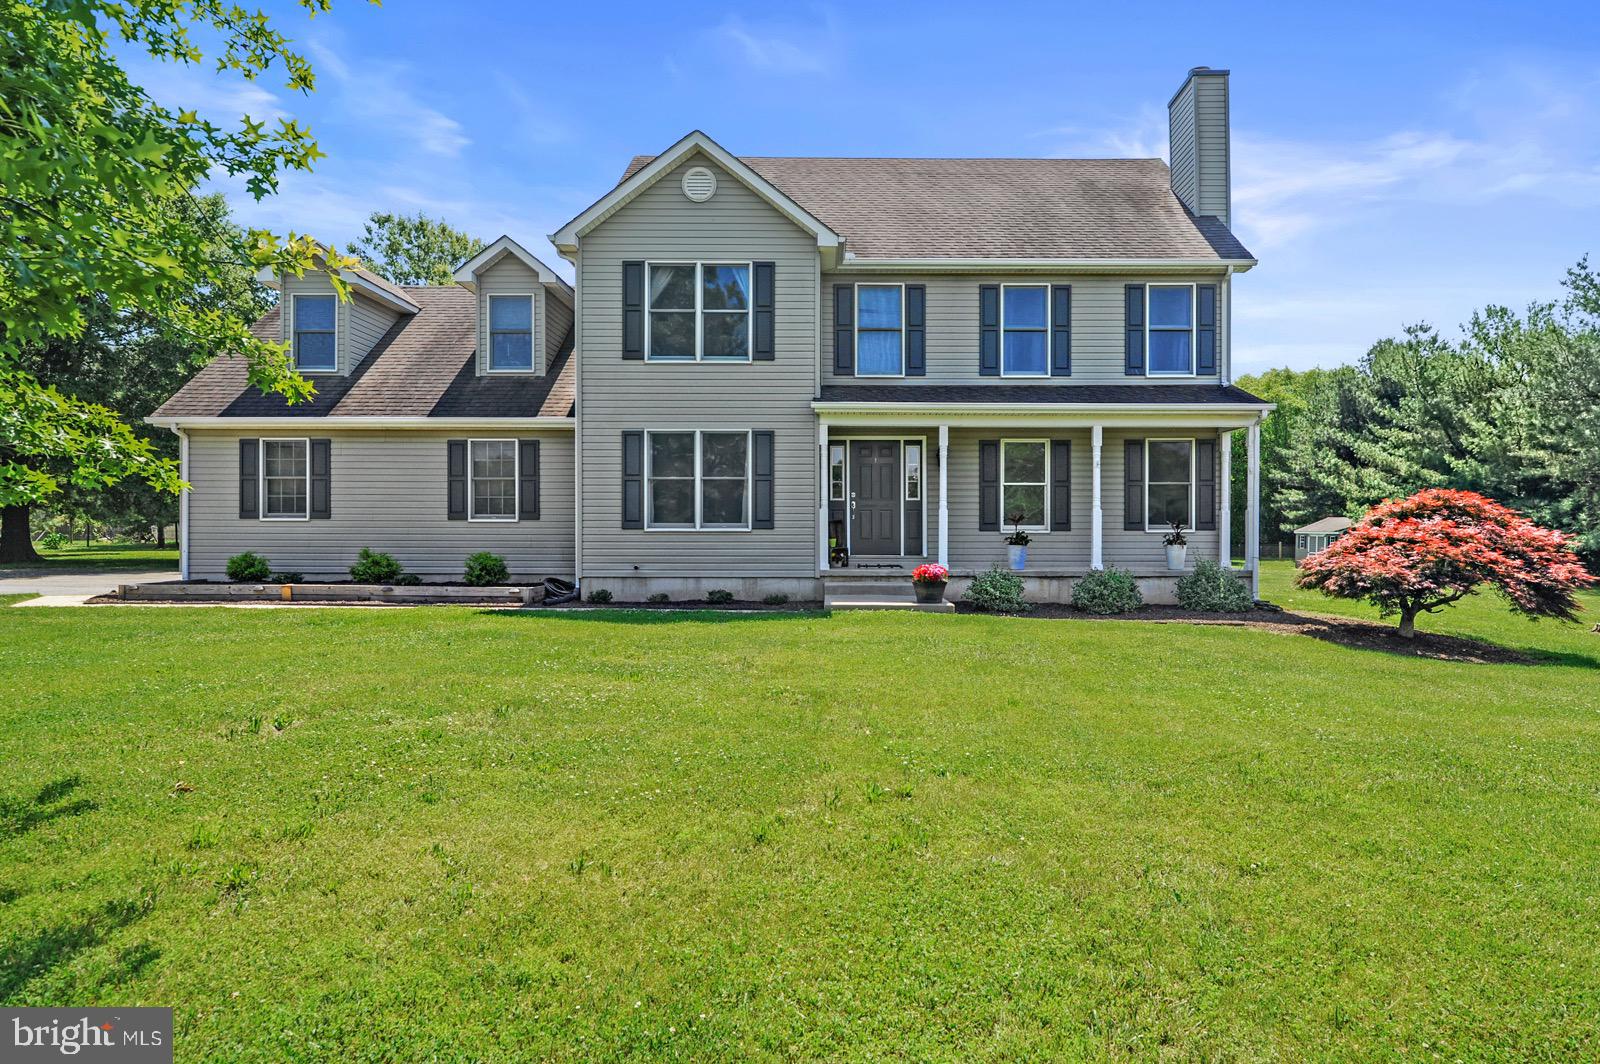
(424, 366)
(997, 208)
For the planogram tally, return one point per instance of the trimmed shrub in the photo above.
(1213, 589)
(658, 598)
(1107, 591)
(996, 590)
(777, 598)
(719, 596)
(248, 568)
(486, 568)
(288, 578)
(600, 596)
(373, 567)
(53, 540)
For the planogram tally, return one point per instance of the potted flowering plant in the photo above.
(1177, 545)
(928, 582)
(1017, 542)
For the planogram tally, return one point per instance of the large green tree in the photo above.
(88, 165)
(413, 249)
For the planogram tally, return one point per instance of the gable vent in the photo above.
(699, 184)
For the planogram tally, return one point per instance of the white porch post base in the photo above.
(944, 495)
(1096, 516)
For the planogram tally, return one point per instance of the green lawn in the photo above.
(104, 556)
(373, 835)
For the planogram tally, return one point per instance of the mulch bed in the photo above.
(1345, 631)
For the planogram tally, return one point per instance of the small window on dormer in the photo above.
(510, 333)
(315, 347)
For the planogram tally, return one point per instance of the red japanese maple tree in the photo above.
(1417, 555)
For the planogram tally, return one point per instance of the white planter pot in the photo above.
(1019, 557)
(1175, 556)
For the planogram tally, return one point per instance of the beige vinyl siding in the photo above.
(1211, 145)
(1142, 552)
(510, 276)
(388, 492)
(1181, 145)
(1098, 315)
(616, 395)
(558, 323)
(360, 322)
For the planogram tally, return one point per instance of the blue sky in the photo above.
(1392, 163)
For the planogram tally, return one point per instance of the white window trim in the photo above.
(533, 333)
(1005, 525)
(905, 473)
(1049, 328)
(856, 334)
(1193, 451)
(700, 312)
(1194, 309)
(294, 345)
(261, 469)
(844, 470)
(516, 481)
(699, 479)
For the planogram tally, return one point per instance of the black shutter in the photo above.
(1133, 485)
(765, 347)
(1061, 330)
(528, 479)
(916, 330)
(989, 330)
(1205, 485)
(1133, 349)
(633, 310)
(844, 330)
(249, 472)
(321, 479)
(1205, 332)
(1061, 485)
(761, 475)
(456, 478)
(633, 479)
(988, 485)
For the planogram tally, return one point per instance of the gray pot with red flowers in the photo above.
(928, 582)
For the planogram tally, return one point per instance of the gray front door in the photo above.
(875, 497)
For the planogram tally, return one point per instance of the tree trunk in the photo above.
(88, 534)
(161, 534)
(1408, 623)
(16, 543)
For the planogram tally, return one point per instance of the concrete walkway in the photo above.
(79, 584)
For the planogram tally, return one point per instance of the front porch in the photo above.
(902, 486)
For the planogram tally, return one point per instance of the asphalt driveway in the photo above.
(54, 582)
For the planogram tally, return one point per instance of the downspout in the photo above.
(577, 416)
(1226, 376)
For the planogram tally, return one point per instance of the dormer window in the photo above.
(315, 334)
(511, 334)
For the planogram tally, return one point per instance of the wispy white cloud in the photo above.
(535, 125)
(1144, 136)
(783, 48)
(381, 94)
(223, 98)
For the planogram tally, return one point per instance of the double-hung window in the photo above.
(492, 467)
(286, 480)
(1169, 484)
(1170, 332)
(880, 330)
(1025, 483)
(698, 480)
(699, 312)
(1025, 330)
(511, 334)
(315, 333)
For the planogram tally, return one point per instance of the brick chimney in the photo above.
(1197, 143)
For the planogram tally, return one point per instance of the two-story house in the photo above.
(771, 373)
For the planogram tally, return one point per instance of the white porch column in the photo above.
(183, 505)
(1096, 516)
(824, 488)
(1252, 521)
(944, 495)
(1225, 500)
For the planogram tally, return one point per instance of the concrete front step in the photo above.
(877, 595)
